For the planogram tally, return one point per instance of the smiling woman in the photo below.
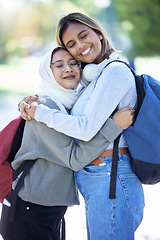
(59, 82)
(86, 39)
(114, 88)
(65, 69)
(41, 207)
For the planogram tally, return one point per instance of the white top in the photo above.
(115, 87)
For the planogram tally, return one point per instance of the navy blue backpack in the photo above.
(143, 137)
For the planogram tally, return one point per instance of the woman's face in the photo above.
(65, 69)
(83, 43)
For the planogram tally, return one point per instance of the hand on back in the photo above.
(124, 117)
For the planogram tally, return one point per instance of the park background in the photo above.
(27, 31)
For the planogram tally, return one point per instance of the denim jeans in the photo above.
(111, 219)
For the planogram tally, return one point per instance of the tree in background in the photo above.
(27, 26)
(141, 21)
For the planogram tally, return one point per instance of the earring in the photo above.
(100, 37)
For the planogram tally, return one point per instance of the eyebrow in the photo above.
(78, 36)
(57, 61)
(61, 60)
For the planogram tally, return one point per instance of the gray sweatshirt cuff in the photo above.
(110, 130)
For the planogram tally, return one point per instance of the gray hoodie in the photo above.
(51, 180)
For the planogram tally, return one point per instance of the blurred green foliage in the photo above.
(140, 20)
(26, 26)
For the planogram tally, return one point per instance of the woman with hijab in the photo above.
(50, 188)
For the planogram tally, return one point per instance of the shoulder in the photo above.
(49, 103)
(118, 70)
(118, 66)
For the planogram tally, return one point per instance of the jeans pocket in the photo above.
(96, 170)
(133, 191)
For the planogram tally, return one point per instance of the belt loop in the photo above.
(119, 156)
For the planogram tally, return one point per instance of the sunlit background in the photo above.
(27, 31)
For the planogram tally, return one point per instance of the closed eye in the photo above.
(83, 36)
(73, 62)
(71, 45)
(59, 66)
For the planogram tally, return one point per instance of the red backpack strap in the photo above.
(7, 137)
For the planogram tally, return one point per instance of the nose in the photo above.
(80, 44)
(68, 68)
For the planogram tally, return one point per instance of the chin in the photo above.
(90, 59)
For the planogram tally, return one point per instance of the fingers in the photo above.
(31, 98)
(22, 108)
(126, 108)
(24, 115)
(24, 105)
(124, 117)
(129, 109)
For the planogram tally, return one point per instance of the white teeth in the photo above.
(86, 51)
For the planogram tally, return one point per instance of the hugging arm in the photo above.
(99, 102)
(62, 149)
(56, 147)
(98, 109)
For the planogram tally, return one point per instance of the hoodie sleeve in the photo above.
(115, 86)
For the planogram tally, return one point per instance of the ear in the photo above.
(99, 35)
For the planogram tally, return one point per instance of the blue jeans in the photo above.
(111, 219)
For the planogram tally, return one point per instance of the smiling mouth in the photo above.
(69, 77)
(86, 51)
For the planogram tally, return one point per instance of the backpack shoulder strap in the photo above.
(139, 80)
(140, 96)
(28, 164)
(121, 61)
(113, 180)
(16, 143)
